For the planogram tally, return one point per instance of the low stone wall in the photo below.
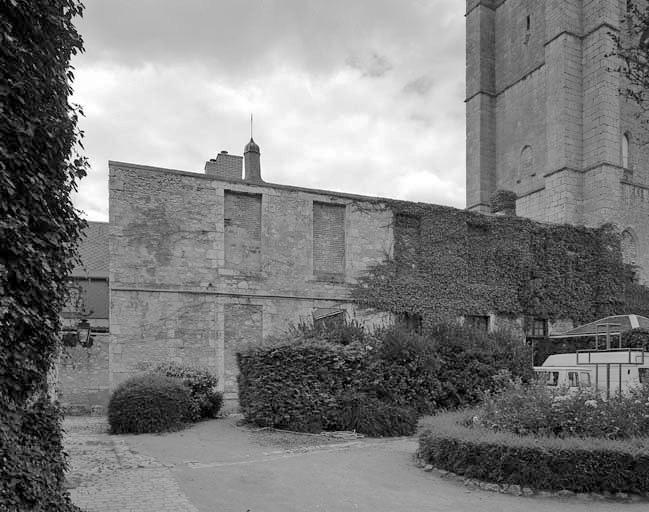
(82, 374)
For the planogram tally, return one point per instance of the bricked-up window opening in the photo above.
(537, 328)
(242, 231)
(407, 238)
(410, 321)
(478, 322)
(329, 240)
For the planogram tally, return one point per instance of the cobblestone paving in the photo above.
(106, 476)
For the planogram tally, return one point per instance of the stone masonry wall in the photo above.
(83, 378)
(175, 298)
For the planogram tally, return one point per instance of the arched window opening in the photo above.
(526, 165)
(625, 151)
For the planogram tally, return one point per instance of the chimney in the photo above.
(225, 166)
(252, 157)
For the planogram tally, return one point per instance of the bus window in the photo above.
(584, 379)
(548, 378)
(573, 379)
(643, 374)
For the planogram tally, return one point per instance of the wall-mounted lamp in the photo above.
(83, 333)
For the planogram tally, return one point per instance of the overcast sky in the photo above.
(361, 96)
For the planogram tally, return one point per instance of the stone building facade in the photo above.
(544, 117)
(201, 264)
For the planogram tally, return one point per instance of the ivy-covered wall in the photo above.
(449, 262)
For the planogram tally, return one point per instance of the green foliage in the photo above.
(39, 229)
(206, 401)
(636, 338)
(451, 442)
(368, 415)
(633, 54)
(503, 201)
(341, 333)
(535, 409)
(458, 263)
(296, 384)
(404, 370)
(302, 383)
(149, 403)
(469, 359)
(33, 461)
(636, 299)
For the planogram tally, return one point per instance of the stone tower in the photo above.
(544, 117)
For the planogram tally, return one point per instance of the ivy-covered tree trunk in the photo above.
(39, 230)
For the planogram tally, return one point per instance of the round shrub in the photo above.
(579, 464)
(149, 403)
(206, 400)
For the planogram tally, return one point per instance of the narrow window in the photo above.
(625, 151)
(529, 23)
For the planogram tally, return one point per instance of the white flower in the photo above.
(591, 403)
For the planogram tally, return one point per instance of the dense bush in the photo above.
(299, 383)
(451, 442)
(370, 416)
(535, 409)
(403, 369)
(149, 403)
(296, 383)
(206, 401)
(33, 462)
(469, 359)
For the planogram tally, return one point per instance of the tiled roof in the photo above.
(93, 250)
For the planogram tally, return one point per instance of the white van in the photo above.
(601, 370)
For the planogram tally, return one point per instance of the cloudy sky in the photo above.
(361, 96)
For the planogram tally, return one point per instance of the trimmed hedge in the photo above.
(205, 400)
(149, 403)
(296, 384)
(575, 464)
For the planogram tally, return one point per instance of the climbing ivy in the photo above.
(451, 262)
